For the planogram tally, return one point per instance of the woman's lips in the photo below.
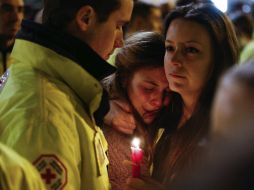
(150, 113)
(176, 76)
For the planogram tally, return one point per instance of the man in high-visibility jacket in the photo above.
(11, 15)
(15, 170)
(51, 94)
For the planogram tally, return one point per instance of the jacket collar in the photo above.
(68, 46)
(62, 56)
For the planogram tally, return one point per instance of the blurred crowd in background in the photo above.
(149, 14)
(231, 6)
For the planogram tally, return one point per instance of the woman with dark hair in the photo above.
(228, 164)
(141, 80)
(200, 45)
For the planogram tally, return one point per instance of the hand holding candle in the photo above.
(136, 155)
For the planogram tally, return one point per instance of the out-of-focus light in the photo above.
(246, 9)
(221, 4)
(155, 2)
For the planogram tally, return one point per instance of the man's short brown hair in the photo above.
(58, 13)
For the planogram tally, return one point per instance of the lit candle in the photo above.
(136, 155)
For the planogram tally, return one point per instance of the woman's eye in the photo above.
(191, 50)
(170, 48)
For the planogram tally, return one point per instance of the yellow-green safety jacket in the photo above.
(47, 105)
(17, 173)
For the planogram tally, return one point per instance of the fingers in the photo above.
(120, 117)
(136, 184)
(127, 163)
(143, 184)
(123, 124)
(122, 104)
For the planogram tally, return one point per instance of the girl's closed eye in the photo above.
(148, 89)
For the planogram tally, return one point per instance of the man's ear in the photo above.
(84, 17)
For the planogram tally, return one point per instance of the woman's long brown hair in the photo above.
(177, 150)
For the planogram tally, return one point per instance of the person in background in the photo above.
(166, 7)
(232, 129)
(38, 16)
(140, 79)
(145, 17)
(52, 103)
(193, 66)
(17, 173)
(31, 8)
(228, 164)
(243, 24)
(233, 106)
(11, 15)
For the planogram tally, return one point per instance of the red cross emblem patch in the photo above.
(52, 170)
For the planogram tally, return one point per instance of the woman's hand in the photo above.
(143, 184)
(120, 116)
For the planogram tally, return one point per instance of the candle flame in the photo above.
(136, 142)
